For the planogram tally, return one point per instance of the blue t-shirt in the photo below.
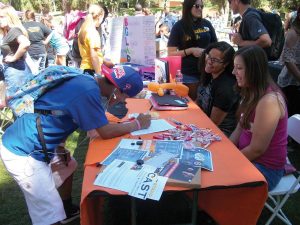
(80, 101)
(204, 34)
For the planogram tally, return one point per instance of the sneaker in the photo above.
(72, 213)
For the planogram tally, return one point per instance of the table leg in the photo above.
(133, 211)
(195, 207)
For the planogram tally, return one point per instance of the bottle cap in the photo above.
(139, 162)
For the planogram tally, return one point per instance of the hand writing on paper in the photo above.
(145, 120)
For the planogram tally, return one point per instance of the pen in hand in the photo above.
(150, 109)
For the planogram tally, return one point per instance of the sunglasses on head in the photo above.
(197, 6)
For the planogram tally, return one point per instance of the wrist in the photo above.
(185, 52)
(14, 58)
(138, 124)
(201, 51)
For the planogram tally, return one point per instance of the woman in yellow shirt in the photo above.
(89, 41)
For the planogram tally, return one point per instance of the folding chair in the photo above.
(289, 184)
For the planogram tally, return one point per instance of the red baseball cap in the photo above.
(126, 79)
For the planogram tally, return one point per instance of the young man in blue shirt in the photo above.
(75, 103)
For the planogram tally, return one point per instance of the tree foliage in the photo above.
(286, 5)
(114, 5)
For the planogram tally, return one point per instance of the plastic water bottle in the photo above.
(179, 77)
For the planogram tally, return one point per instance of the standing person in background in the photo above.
(261, 133)
(14, 45)
(188, 39)
(89, 41)
(169, 18)
(56, 41)
(147, 12)
(37, 33)
(289, 78)
(217, 96)
(138, 10)
(251, 30)
(103, 32)
(289, 19)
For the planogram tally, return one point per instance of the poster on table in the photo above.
(132, 39)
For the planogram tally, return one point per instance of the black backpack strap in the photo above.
(42, 139)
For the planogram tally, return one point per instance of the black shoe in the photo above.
(72, 213)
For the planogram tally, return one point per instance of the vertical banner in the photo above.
(139, 33)
(116, 39)
(132, 39)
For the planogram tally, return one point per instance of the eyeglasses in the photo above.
(197, 6)
(214, 60)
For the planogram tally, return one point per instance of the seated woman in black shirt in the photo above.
(216, 93)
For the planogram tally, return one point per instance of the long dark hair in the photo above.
(257, 79)
(188, 20)
(228, 54)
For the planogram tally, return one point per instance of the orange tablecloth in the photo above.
(234, 193)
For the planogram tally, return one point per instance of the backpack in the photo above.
(74, 19)
(75, 53)
(36, 86)
(273, 24)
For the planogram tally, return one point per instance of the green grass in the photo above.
(13, 209)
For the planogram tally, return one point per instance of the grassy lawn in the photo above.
(13, 209)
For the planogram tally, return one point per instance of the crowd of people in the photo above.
(234, 88)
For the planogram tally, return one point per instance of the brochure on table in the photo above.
(169, 159)
(139, 181)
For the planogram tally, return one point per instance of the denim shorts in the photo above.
(272, 176)
(62, 50)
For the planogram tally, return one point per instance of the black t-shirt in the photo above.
(251, 27)
(205, 34)
(37, 32)
(10, 43)
(220, 93)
